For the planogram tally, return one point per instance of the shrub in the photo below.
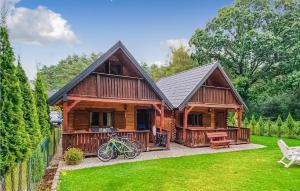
(246, 122)
(270, 128)
(73, 156)
(252, 125)
(279, 126)
(260, 127)
(290, 125)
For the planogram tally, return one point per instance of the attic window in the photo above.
(114, 67)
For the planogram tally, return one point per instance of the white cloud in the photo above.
(177, 43)
(157, 62)
(38, 26)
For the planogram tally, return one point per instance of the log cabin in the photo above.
(115, 92)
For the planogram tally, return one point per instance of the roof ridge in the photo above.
(187, 70)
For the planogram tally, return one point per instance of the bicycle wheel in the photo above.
(138, 147)
(105, 152)
(130, 151)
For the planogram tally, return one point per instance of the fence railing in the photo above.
(89, 142)
(27, 175)
(197, 137)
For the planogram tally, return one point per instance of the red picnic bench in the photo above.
(218, 139)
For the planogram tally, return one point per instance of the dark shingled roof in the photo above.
(119, 45)
(180, 87)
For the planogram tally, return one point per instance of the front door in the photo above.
(143, 119)
(221, 119)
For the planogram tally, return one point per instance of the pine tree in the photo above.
(260, 127)
(279, 123)
(14, 140)
(246, 122)
(290, 125)
(29, 108)
(252, 125)
(41, 105)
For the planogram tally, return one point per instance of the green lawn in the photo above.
(245, 170)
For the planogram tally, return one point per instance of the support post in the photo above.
(185, 116)
(212, 118)
(162, 116)
(239, 119)
(65, 116)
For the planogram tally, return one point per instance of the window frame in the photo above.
(197, 119)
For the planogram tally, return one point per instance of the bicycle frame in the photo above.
(119, 146)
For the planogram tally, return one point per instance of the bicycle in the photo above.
(116, 146)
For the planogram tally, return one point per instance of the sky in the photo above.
(43, 32)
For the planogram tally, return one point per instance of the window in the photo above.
(94, 119)
(115, 68)
(195, 119)
(107, 119)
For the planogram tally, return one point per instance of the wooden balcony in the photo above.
(196, 137)
(214, 95)
(89, 142)
(100, 85)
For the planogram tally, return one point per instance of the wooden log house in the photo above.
(115, 91)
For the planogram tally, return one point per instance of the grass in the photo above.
(245, 170)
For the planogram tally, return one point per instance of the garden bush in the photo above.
(265, 127)
(73, 156)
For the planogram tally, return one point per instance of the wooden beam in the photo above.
(65, 116)
(227, 106)
(212, 118)
(73, 105)
(109, 100)
(240, 116)
(157, 108)
(162, 116)
(98, 86)
(190, 109)
(185, 125)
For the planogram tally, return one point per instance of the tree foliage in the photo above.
(180, 61)
(29, 108)
(279, 124)
(290, 125)
(56, 76)
(257, 42)
(40, 94)
(14, 140)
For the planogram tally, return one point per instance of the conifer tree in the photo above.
(279, 123)
(290, 125)
(246, 122)
(29, 108)
(14, 140)
(260, 127)
(41, 105)
(269, 127)
(252, 125)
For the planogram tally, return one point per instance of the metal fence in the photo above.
(27, 175)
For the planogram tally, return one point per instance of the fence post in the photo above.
(3, 184)
(28, 179)
(20, 176)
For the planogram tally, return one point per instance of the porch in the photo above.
(89, 142)
(196, 137)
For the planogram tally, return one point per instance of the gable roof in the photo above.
(180, 87)
(119, 45)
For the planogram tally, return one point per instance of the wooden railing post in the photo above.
(147, 141)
